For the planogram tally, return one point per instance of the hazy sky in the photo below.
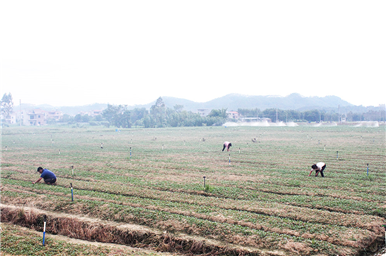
(131, 52)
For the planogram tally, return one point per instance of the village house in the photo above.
(95, 112)
(203, 112)
(54, 115)
(36, 117)
(11, 119)
(233, 114)
(255, 119)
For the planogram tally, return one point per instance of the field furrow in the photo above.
(192, 198)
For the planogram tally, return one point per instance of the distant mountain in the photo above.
(235, 101)
(232, 102)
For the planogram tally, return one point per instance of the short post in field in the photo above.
(72, 168)
(101, 145)
(337, 155)
(229, 159)
(367, 169)
(204, 181)
(72, 193)
(130, 152)
(59, 151)
(44, 229)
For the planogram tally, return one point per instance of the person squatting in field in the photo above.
(318, 167)
(227, 145)
(48, 176)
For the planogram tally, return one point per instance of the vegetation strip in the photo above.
(281, 210)
(109, 232)
(338, 241)
(259, 226)
(305, 201)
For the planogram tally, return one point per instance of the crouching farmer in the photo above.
(48, 176)
(319, 167)
(226, 145)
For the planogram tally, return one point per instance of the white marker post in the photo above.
(130, 152)
(72, 167)
(229, 159)
(44, 229)
(367, 169)
(72, 193)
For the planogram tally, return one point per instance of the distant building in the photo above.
(95, 112)
(11, 119)
(36, 117)
(233, 114)
(255, 119)
(54, 115)
(203, 112)
(91, 113)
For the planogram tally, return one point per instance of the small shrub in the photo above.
(208, 189)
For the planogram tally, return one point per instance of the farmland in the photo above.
(144, 188)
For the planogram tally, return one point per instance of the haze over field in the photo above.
(83, 52)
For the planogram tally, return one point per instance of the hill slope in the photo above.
(230, 102)
(235, 101)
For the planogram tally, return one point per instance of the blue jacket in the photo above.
(47, 174)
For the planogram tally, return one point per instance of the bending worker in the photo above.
(318, 167)
(227, 145)
(48, 176)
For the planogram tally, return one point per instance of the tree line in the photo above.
(278, 115)
(161, 116)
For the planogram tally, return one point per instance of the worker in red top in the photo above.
(226, 145)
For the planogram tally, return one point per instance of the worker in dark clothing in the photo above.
(48, 176)
(318, 168)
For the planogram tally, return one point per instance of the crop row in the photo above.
(264, 208)
(246, 235)
(334, 201)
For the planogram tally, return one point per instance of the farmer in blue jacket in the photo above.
(48, 176)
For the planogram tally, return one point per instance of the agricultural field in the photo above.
(144, 190)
